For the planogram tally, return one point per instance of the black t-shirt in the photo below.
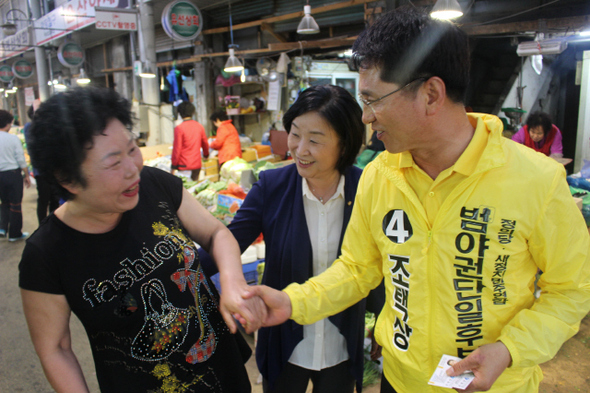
(151, 315)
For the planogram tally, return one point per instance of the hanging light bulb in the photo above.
(147, 70)
(59, 83)
(446, 9)
(83, 78)
(243, 76)
(233, 64)
(308, 24)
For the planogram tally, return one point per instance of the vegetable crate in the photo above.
(250, 274)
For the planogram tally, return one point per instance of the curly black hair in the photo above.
(339, 108)
(64, 127)
(407, 44)
(542, 119)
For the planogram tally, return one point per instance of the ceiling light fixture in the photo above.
(233, 64)
(59, 83)
(9, 28)
(83, 78)
(446, 9)
(543, 47)
(147, 70)
(308, 24)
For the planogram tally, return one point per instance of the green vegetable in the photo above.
(263, 166)
(218, 186)
(207, 198)
(202, 186)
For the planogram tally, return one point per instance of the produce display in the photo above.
(232, 169)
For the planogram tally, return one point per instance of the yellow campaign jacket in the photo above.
(467, 280)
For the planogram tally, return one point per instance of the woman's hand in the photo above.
(250, 312)
(278, 304)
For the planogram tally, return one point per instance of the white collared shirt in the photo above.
(323, 345)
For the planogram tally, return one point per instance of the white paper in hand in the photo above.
(440, 377)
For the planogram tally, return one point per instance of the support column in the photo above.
(40, 61)
(150, 88)
(583, 134)
(203, 86)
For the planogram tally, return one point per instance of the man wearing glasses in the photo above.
(457, 219)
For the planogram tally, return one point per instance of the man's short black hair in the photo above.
(64, 127)
(407, 44)
(5, 118)
(186, 109)
(340, 109)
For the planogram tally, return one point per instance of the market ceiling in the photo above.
(341, 21)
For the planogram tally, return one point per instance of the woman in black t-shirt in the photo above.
(120, 255)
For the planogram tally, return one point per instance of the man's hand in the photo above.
(249, 312)
(375, 347)
(278, 304)
(487, 363)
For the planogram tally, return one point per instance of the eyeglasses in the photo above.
(368, 104)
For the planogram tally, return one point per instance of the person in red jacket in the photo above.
(189, 138)
(227, 140)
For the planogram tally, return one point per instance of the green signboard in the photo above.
(70, 54)
(182, 20)
(6, 74)
(22, 69)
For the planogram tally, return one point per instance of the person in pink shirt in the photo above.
(541, 134)
(189, 138)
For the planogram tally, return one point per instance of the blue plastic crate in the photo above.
(250, 274)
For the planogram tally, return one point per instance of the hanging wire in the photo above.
(231, 30)
(513, 15)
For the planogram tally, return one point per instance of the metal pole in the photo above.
(40, 62)
(150, 88)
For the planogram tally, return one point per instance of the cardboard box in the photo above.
(249, 155)
(210, 166)
(262, 150)
(151, 152)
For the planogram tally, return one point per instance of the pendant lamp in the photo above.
(446, 9)
(147, 70)
(308, 24)
(83, 78)
(233, 64)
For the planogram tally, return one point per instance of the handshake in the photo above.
(253, 306)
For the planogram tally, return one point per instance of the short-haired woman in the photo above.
(541, 134)
(302, 210)
(227, 140)
(119, 253)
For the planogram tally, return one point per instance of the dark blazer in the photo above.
(274, 207)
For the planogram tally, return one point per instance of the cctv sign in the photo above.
(116, 20)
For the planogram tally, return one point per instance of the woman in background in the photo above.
(541, 134)
(227, 140)
(189, 138)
